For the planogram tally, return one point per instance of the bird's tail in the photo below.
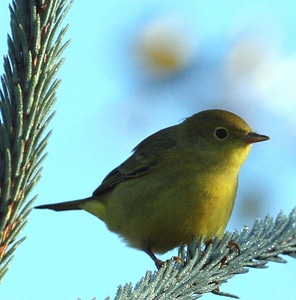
(69, 205)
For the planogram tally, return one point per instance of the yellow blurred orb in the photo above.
(166, 45)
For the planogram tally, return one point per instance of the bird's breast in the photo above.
(165, 209)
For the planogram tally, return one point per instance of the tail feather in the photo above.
(69, 205)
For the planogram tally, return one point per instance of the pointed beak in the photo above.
(253, 137)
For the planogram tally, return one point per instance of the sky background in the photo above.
(234, 55)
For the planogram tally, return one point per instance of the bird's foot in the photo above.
(233, 246)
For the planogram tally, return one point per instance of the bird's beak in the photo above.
(253, 137)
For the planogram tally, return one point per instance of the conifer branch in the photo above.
(204, 268)
(27, 94)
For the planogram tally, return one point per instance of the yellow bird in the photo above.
(179, 183)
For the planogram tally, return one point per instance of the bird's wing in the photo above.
(144, 157)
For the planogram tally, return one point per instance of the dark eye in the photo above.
(221, 133)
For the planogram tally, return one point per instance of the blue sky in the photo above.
(243, 60)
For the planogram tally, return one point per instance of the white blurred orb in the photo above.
(244, 59)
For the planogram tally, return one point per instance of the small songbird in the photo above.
(179, 183)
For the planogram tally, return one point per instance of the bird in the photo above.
(178, 183)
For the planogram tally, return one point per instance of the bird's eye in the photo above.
(221, 133)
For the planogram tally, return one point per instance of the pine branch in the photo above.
(27, 94)
(204, 268)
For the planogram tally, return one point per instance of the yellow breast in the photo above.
(162, 214)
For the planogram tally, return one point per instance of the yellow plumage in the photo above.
(179, 183)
